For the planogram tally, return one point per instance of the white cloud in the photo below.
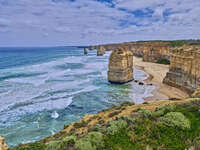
(62, 22)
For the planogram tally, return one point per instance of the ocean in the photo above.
(43, 89)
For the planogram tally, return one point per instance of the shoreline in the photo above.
(156, 74)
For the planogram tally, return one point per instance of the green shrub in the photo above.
(115, 126)
(97, 128)
(80, 124)
(96, 139)
(176, 119)
(163, 110)
(112, 114)
(177, 43)
(163, 61)
(129, 120)
(59, 145)
(84, 144)
(32, 146)
(145, 113)
(93, 141)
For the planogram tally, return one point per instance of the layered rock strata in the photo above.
(120, 66)
(196, 93)
(100, 51)
(150, 51)
(3, 145)
(154, 52)
(184, 69)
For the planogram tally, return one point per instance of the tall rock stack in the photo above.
(85, 51)
(3, 145)
(91, 48)
(184, 69)
(100, 51)
(120, 66)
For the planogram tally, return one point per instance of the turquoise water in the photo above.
(42, 89)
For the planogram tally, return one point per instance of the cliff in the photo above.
(184, 69)
(150, 51)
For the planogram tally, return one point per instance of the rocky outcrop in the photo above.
(196, 93)
(150, 51)
(184, 69)
(85, 51)
(120, 66)
(3, 145)
(100, 51)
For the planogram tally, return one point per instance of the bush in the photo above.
(59, 145)
(163, 61)
(162, 111)
(93, 141)
(115, 126)
(145, 113)
(32, 146)
(80, 124)
(176, 120)
(96, 138)
(112, 114)
(84, 144)
(177, 43)
(129, 120)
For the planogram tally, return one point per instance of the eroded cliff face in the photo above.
(120, 66)
(154, 52)
(196, 93)
(3, 145)
(150, 51)
(184, 69)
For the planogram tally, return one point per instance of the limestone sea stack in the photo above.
(100, 51)
(120, 66)
(85, 51)
(3, 145)
(91, 48)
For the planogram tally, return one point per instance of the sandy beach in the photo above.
(157, 73)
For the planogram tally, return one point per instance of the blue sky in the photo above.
(84, 22)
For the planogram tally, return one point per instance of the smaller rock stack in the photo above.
(100, 51)
(3, 145)
(85, 51)
(120, 66)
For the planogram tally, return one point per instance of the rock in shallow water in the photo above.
(120, 66)
(3, 145)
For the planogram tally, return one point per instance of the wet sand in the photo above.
(157, 73)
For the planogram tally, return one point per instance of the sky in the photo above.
(89, 22)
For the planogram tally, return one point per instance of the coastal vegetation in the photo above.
(154, 125)
(163, 61)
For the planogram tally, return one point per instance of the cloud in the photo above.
(4, 23)
(79, 22)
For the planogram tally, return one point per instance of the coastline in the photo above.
(157, 73)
